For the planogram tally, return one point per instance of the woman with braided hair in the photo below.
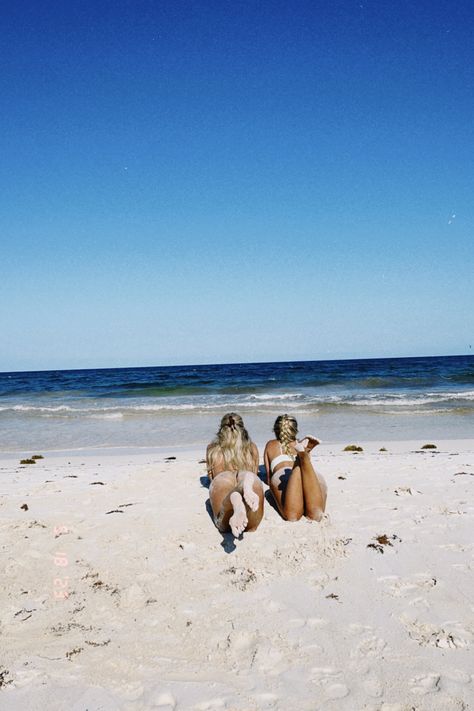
(295, 486)
(235, 493)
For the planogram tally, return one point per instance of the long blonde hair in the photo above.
(285, 429)
(233, 444)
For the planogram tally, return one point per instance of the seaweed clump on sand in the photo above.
(382, 449)
(429, 446)
(32, 460)
(353, 448)
(383, 540)
(4, 677)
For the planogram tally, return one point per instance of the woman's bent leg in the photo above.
(227, 496)
(287, 489)
(314, 488)
(220, 489)
(252, 492)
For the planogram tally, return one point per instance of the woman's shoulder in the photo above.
(271, 444)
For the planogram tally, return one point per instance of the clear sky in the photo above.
(211, 181)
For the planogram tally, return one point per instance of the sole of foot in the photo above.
(308, 443)
(238, 521)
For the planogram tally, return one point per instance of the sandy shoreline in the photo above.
(164, 612)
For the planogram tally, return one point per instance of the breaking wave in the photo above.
(387, 403)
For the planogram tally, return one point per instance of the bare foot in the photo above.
(238, 521)
(250, 497)
(306, 444)
(300, 446)
(310, 443)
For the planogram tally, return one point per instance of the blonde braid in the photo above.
(286, 429)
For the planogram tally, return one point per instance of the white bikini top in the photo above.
(280, 458)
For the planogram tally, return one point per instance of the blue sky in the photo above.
(192, 182)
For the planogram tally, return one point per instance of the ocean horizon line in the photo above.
(235, 363)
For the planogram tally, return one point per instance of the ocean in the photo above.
(338, 401)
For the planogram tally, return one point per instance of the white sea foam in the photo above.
(38, 408)
(293, 401)
(108, 416)
(402, 399)
(275, 396)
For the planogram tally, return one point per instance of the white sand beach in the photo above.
(163, 612)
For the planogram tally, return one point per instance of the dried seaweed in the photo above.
(383, 540)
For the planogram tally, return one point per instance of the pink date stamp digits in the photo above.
(60, 559)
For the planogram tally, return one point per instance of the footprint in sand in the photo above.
(419, 602)
(296, 623)
(337, 691)
(240, 577)
(268, 660)
(304, 633)
(402, 587)
(319, 582)
(448, 635)
(456, 547)
(328, 678)
(372, 646)
(464, 567)
(275, 606)
(134, 597)
(24, 677)
(322, 675)
(210, 705)
(373, 688)
(457, 676)
(240, 648)
(266, 700)
(162, 700)
(132, 691)
(428, 684)
(316, 622)
(357, 628)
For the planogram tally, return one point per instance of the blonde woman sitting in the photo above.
(235, 493)
(295, 486)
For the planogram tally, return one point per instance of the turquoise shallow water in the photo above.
(396, 398)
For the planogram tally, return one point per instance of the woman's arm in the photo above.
(208, 464)
(266, 459)
(256, 458)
